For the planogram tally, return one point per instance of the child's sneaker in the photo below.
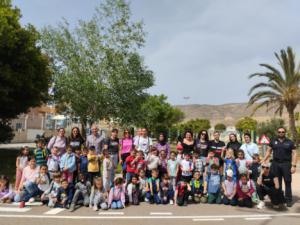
(31, 200)
(171, 202)
(22, 204)
(146, 199)
(276, 207)
(260, 205)
(95, 208)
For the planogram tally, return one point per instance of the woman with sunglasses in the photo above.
(126, 144)
(268, 184)
(202, 144)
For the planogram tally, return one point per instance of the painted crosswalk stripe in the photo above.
(54, 211)
(28, 203)
(258, 218)
(111, 213)
(161, 213)
(12, 209)
(212, 219)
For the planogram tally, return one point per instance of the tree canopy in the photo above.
(246, 124)
(270, 127)
(158, 115)
(220, 127)
(24, 71)
(98, 70)
(281, 88)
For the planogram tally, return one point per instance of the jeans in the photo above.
(117, 204)
(99, 201)
(153, 198)
(214, 198)
(246, 202)
(227, 201)
(166, 196)
(31, 190)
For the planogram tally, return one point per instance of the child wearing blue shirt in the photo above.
(213, 185)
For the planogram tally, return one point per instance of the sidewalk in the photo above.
(17, 145)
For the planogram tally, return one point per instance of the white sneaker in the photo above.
(276, 206)
(260, 205)
(95, 208)
(31, 200)
(171, 202)
(146, 199)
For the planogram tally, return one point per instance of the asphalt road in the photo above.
(151, 214)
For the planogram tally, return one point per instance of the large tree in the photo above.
(24, 72)
(98, 70)
(158, 115)
(246, 124)
(281, 90)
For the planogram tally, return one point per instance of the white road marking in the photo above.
(161, 213)
(216, 219)
(27, 203)
(111, 213)
(54, 211)
(258, 218)
(13, 209)
(14, 216)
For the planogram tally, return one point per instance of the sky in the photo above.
(201, 49)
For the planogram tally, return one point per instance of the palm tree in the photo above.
(281, 89)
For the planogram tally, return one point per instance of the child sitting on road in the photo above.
(98, 197)
(134, 191)
(245, 189)
(182, 193)
(229, 189)
(153, 185)
(50, 195)
(166, 190)
(116, 198)
(197, 186)
(82, 192)
(64, 195)
(6, 194)
(213, 185)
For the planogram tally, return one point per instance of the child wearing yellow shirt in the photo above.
(93, 163)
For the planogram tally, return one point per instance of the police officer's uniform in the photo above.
(282, 163)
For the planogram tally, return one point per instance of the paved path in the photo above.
(151, 214)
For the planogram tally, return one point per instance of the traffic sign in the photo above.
(264, 140)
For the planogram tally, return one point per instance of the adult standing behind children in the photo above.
(187, 143)
(59, 141)
(126, 144)
(143, 142)
(284, 161)
(112, 145)
(202, 144)
(95, 140)
(75, 140)
(217, 145)
(249, 147)
(234, 144)
(162, 144)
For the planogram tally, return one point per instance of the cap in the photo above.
(229, 173)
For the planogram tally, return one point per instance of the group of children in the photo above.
(83, 177)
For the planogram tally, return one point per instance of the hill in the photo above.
(228, 114)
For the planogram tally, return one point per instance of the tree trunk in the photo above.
(292, 125)
(83, 128)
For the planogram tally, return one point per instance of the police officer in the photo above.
(284, 161)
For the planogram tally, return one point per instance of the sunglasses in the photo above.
(203, 134)
(281, 132)
(265, 167)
